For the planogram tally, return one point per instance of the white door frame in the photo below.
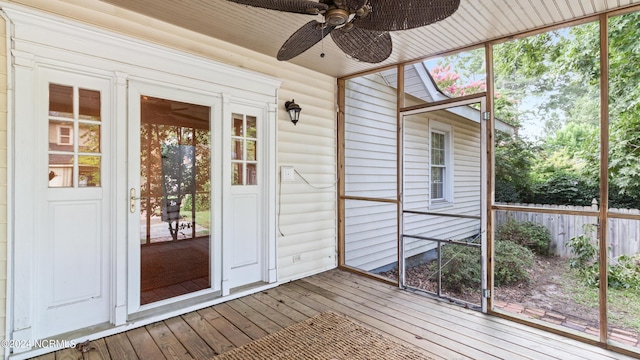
(267, 122)
(136, 88)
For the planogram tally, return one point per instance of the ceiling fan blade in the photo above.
(364, 45)
(304, 38)
(392, 15)
(294, 6)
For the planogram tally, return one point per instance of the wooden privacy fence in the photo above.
(623, 235)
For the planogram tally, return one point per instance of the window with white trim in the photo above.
(65, 135)
(441, 164)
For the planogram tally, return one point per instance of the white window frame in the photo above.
(447, 131)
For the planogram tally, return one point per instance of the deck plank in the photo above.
(143, 344)
(423, 324)
(120, 347)
(451, 317)
(240, 318)
(437, 328)
(280, 307)
(285, 298)
(98, 351)
(225, 327)
(439, 344)
(315, 301)
(267, 311)
(196, 347)
(208, 333)
(495, 328)
(167, 342)
(259, 319)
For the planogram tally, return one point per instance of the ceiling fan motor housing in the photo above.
(336, 16)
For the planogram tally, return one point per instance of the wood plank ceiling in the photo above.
(265, 31)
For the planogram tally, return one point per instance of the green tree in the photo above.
(553, 79)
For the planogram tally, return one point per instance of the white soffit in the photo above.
(264, 31)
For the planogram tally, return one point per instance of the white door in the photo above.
(71, 213)
(173, 215)
(244, 210)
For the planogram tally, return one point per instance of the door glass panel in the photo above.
(88, 171)
(89, 104)
(60, 170)
(252, 176)
(238, 125)
(60, 135)
(251, 150)
(243, 150)
(60, 101)
(175, 208)
(89, 138)
(251, 127)
(74, 131)
(236, 149)
(237, 174)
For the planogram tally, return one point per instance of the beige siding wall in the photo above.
(3, 177)
(370, 171)
(371, 235)
(307, 219)
(466, 180)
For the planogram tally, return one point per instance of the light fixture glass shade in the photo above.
(294, 111)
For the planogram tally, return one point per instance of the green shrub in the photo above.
(529, 234)
(583, 249)
(512, 262)
(461, 266)
(623, 272)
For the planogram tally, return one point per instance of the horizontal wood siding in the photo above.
(371, 234)
(371, 171)
(466, 182)
(307, 215)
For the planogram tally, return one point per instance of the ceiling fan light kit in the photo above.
(360, 28)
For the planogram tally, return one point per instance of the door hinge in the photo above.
(486, 115)
(486, 293)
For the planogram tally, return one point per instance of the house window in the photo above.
(65, 135)
(74, 137)
(441, 167)
(244, 160)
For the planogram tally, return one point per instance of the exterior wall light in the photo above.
(294, 111)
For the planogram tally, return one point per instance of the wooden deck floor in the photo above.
(440, 330)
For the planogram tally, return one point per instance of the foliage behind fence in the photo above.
(623, 235)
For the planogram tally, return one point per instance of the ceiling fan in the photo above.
(360, 28)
